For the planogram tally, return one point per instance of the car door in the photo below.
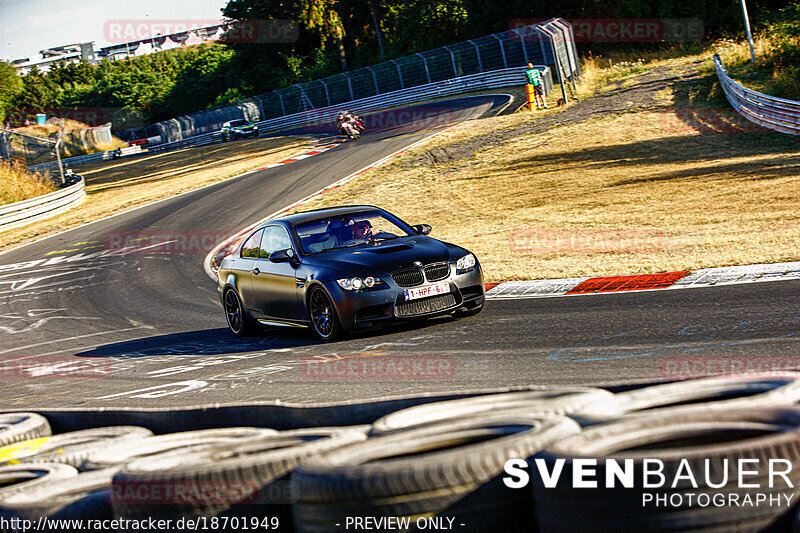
(274, 285)
(244, 266)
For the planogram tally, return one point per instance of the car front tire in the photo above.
(322, 313)
(239, 322)
(462, 313)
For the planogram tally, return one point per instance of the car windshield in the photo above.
(348, 231)
(236, 123)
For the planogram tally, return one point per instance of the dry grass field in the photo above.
(16, 184)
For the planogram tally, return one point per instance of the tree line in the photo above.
(334, 36)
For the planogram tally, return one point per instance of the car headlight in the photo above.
(356, 284)
(466, 263)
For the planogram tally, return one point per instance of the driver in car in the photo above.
(362, 232)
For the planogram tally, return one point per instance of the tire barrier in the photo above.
(223, 479)
(553, 400)
(17, 478)
(47, 205)
(450, 471)
(126, 452)
(69, 448)
(16, 427)
(712, 454)
(728, 392)
(82, 496)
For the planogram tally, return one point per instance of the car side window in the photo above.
(275, 238)
(252, 245)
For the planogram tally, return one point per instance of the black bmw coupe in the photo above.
(342, 269)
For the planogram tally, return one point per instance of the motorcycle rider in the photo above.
(346, 118)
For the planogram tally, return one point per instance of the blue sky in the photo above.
(27, 26)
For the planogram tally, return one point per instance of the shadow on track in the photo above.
(219, 341)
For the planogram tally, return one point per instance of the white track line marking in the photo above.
(66, 339)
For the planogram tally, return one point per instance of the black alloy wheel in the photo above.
(323, 315)
(238, 321)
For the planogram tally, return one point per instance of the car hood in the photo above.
(384, 257)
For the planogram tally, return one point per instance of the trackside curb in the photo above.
(707, 277)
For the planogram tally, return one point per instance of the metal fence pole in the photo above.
(502, 50)
(283, 109)
(58, 156)
(478, 54)
(747, 29)
(399, 73)
(375, 79)
(453, 59)
(539, 32)
(425, 62)
(522, 44)
(260, 107)
(327, 95)
(350, 86)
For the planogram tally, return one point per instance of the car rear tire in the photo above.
(239, 322)
(322, 314)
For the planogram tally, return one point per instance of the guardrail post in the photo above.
(477, 54)
(425, 62)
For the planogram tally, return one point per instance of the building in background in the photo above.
(86, 51)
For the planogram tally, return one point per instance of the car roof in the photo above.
(320, 214)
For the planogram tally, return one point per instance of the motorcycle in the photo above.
(350, 129)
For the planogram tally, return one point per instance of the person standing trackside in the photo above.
(535, 79)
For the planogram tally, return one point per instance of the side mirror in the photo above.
(283, 256)
(422, 229)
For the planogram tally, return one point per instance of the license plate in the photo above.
(427, 290)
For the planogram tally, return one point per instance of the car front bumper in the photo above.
(368, 308)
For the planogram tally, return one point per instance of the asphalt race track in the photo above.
(145, 329)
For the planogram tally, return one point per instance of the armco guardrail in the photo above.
(485, 80)
(47, 205)
(770, 112)
(77, 160)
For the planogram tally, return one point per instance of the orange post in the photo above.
(531, 96)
